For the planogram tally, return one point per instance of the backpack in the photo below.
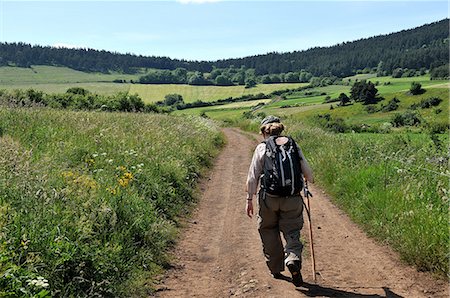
(282, 174)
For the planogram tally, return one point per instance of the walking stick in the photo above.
(311, 244)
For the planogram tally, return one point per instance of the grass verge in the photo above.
(89, 201)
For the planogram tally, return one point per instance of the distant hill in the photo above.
(422, 47)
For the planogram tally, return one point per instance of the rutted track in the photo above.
(219, 254)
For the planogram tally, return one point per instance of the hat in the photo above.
(270, 119)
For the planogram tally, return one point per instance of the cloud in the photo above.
(197, 1)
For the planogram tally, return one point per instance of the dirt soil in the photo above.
(220, 255)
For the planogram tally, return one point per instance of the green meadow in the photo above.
(311, 102)
(51, 79)
(42, 74)
(153, 93)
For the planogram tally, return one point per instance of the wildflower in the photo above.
(110, 160)
(103, 154)
(39, 282)
(123, 182)
(94, 155)
(128, 175)
(113, 191)
(122, 168)
(67, 174)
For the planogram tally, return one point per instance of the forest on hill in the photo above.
(424, 47)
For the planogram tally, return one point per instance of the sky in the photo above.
(208, 29)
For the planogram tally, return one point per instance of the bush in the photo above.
(427, 103)
(391, 106)
(336, 125)
(408, 118)
(371, 109)
(416, 88)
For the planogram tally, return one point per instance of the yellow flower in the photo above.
(128, 175)
(113, 191)
(123, 182)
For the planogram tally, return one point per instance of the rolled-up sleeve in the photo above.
(256, 168)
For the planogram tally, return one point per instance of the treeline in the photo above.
(89, 60)
(222, 77)
(425, 46)
(77, 99)
(422, 47)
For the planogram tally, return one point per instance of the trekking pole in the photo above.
(311, 244)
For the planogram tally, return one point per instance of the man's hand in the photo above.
(249, 208)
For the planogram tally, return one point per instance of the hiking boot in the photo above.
(277, 275)
(294, 268)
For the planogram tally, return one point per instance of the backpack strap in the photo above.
(271, 146)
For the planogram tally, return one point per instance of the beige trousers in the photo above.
(280, 214)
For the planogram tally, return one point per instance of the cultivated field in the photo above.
(152, 93)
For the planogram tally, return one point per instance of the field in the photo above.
(310, 102)
(89, 201)
(152, 93)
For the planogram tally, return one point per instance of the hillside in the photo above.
(422, 47)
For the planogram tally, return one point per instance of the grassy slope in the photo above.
(308, 106)
(89, 200)
(152, 93)
(52, 79)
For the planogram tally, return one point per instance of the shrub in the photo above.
(416, 88)
(391, 106)
(371, 109)
(408, 118)
(427, 103)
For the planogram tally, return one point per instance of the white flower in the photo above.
(39, 282)
(94, 155)
(110, 160)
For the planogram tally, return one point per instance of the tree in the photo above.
(416, 88)
(291, 77)
(343, 99)
(364, 92)
(441, 72)
(173, 99)
(223, 80)
(250, 82)
(397, 73)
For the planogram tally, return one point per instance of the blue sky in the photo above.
(208, 30)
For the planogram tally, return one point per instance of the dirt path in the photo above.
(220, 254)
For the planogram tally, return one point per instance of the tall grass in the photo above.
(89, 201)
(393, 185)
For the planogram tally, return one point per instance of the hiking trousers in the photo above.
(280, 214)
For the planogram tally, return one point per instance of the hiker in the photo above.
(280, 208)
